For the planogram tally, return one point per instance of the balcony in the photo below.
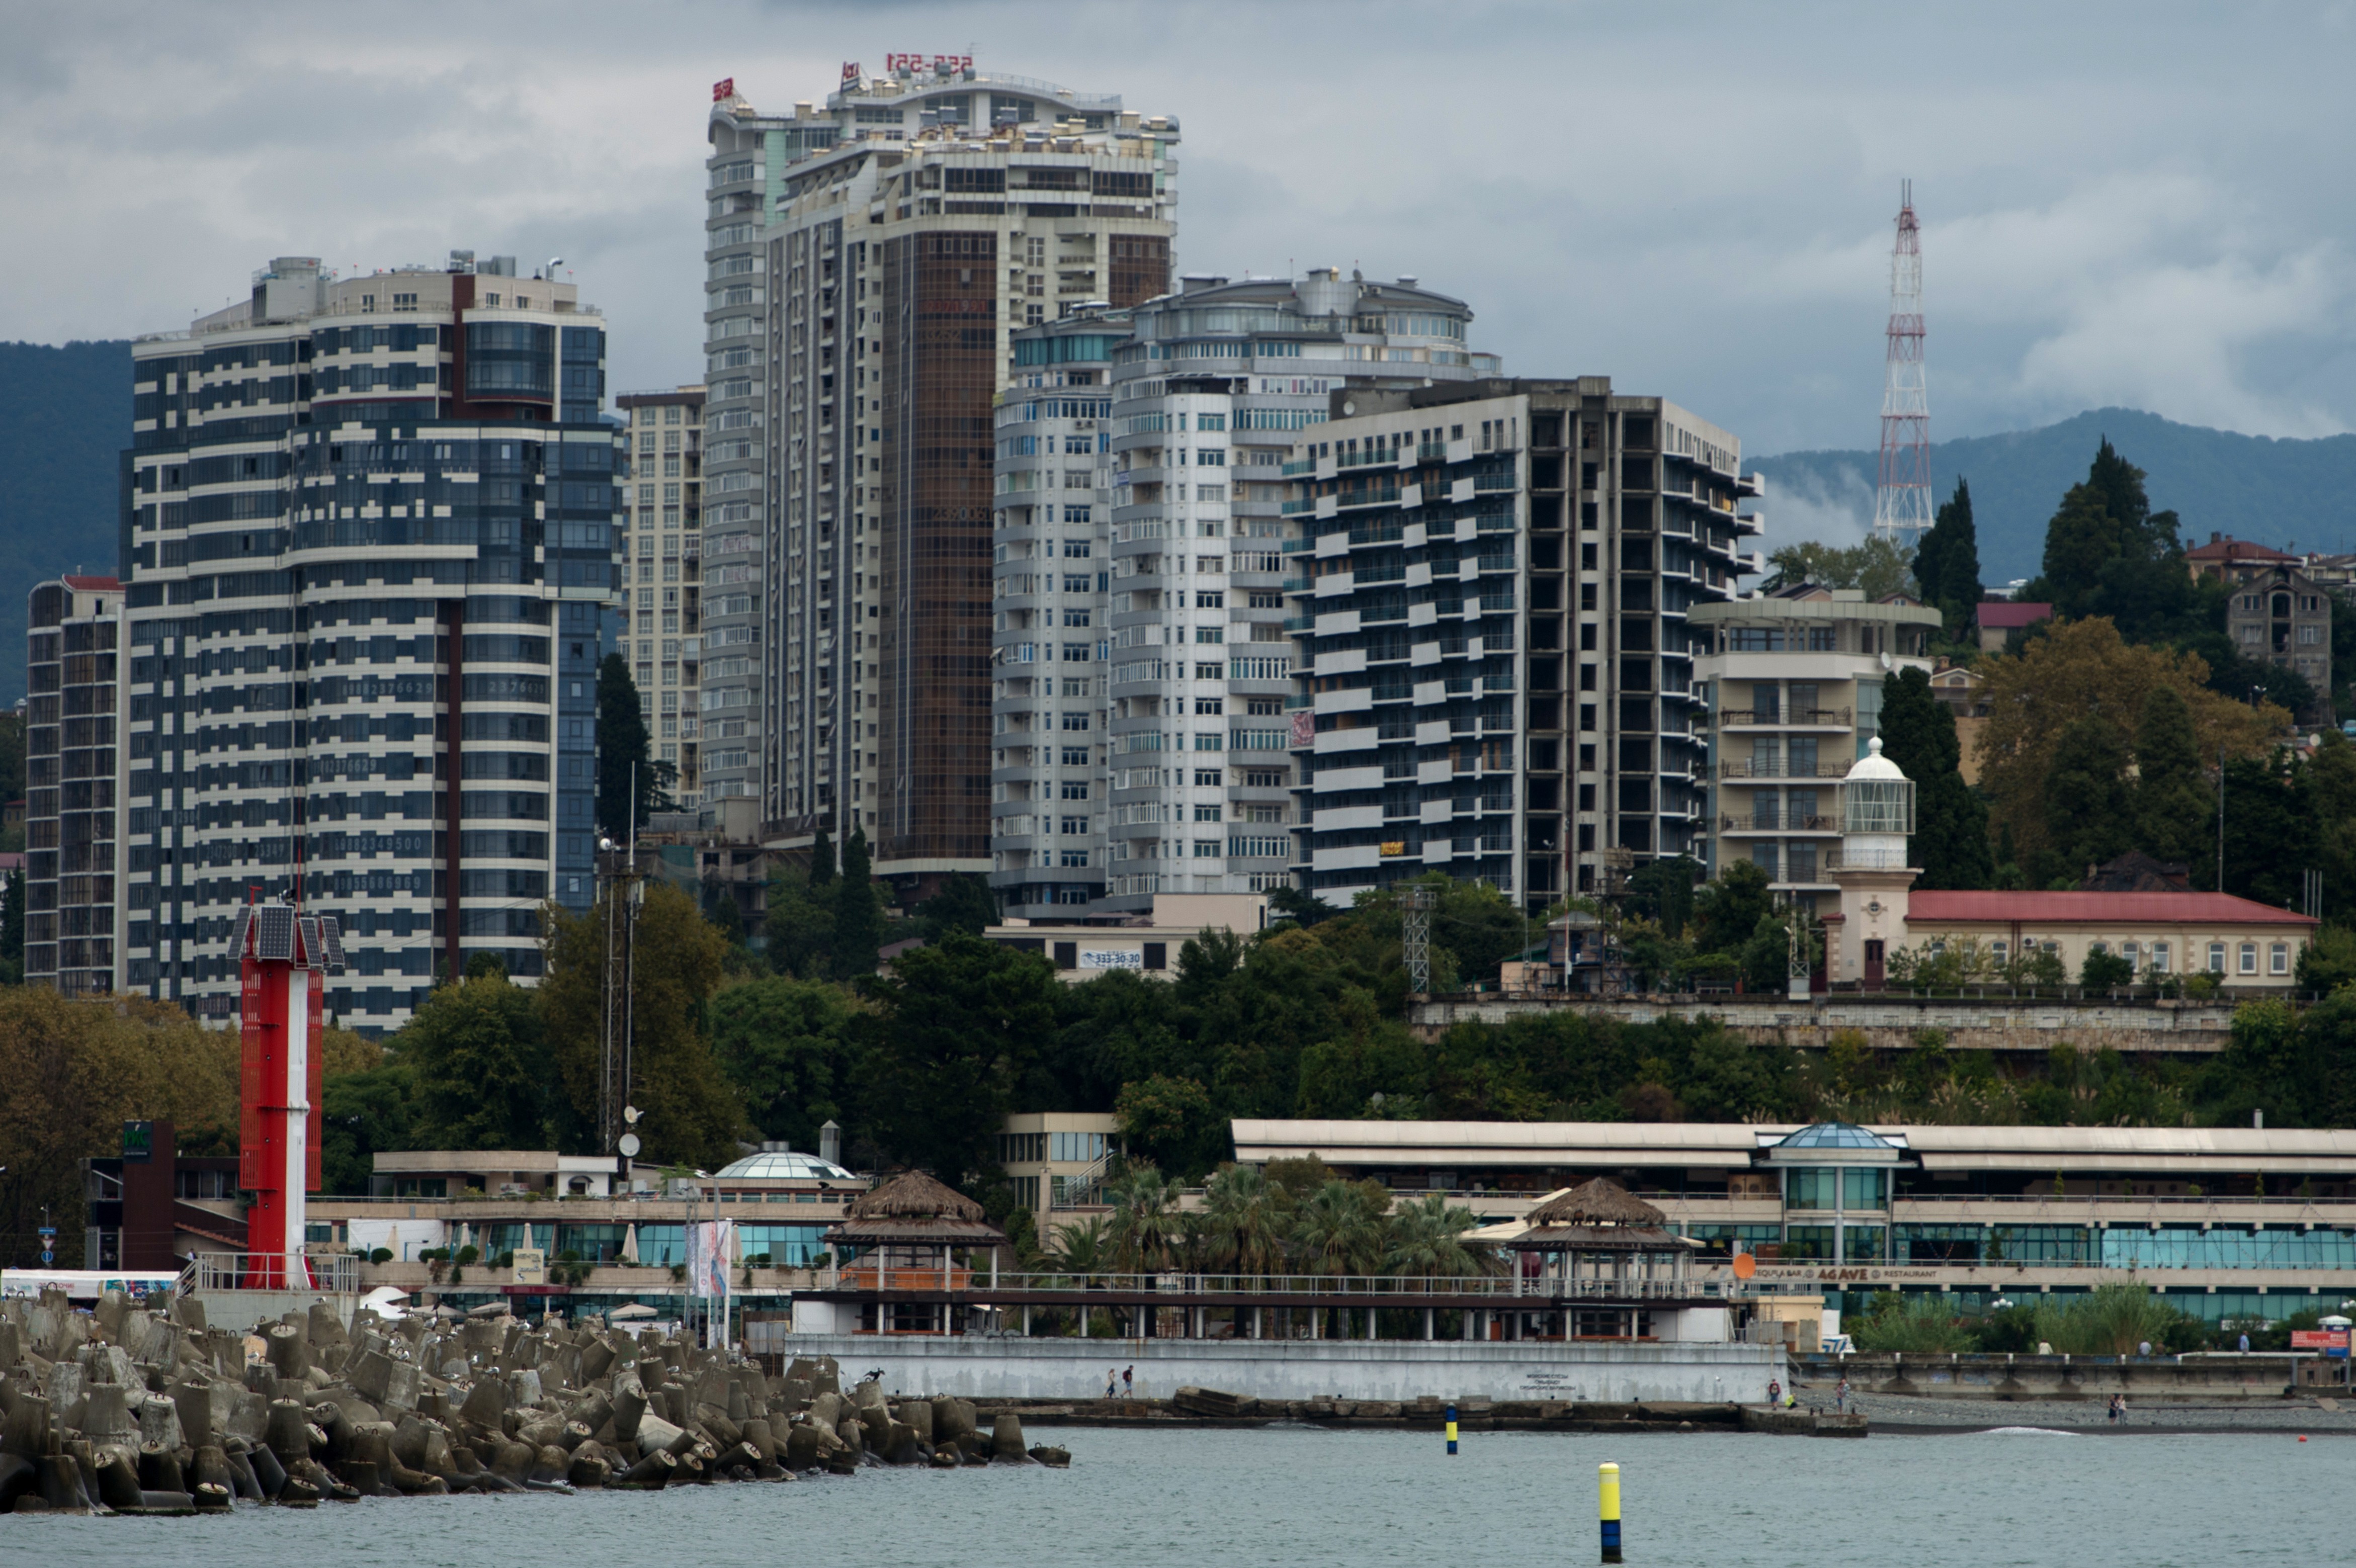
(1792, 719)
(1778, 823)
(1782, 768)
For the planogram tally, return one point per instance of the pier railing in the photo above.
(328, 1273)
(1177, 1286)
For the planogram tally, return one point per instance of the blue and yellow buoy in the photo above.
(1451, 1429)
(1608, 1509)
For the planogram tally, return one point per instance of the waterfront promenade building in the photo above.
(370, 554)
(1141, 659)
(1495, 657)
(661, 546)
(867, 263)
(74, 760)
(2228, 1222)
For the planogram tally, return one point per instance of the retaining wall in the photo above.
(1888, 1023)
(992, 1367)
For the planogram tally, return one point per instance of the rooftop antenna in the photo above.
(1902, 503)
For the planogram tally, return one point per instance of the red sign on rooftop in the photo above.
(723, 89)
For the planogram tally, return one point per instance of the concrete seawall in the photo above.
(1403, 1370)
(1888, 1023)
(2006, 1378)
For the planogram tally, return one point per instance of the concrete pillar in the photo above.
(1026, 1320)
(1430, 1323)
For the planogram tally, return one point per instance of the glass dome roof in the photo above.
(784, 1165)
(1843, 1143)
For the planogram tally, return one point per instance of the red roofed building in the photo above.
(2235, 561)
(2000, 618)
(2245, 945)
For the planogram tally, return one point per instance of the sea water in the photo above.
(1288, 1495)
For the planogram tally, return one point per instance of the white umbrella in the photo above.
(634, 1310)
(385, 1301)
(629, 1244)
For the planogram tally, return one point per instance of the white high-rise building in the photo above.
(370, 550)
(868, 263)
(1143, 661)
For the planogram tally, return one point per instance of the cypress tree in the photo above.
(623, 743)
(1947, 563)
(858, 921)
(2087, 806)
(1918, 733)
(821, 870)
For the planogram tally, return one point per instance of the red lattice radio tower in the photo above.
(1901, 502)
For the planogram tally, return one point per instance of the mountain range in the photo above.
(2284, 493)
(65, 417)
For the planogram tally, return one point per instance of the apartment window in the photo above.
(2278, 958)
(2159, 957)
(2249, 958)
(2216, 958)
(1208, 812)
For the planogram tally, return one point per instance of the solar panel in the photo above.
(276, 939)
(238, 931)
(331, 934)
(308, 927)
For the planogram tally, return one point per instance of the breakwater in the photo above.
(126, 1410)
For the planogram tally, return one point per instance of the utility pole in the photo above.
(2220, 819)
(618, 865)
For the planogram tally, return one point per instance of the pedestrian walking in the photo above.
(1774, 1392)
(2114, 1411)
(1129, 1382)
(2245, 1342)
(1840, 1398)
(1111, 1378)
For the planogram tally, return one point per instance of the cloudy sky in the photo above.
(2138, 204)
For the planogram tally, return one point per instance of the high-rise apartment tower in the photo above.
(74, 781)
(868, 262)
(1496, 670)
(1143, 655)
(370, 541)
(662, 510)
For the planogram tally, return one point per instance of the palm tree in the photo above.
(1244, 1222)
(1427, 1240)
(1083, 1248)
(1339, 1229)
(1145, 1223)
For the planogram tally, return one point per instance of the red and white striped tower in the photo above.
(284, 957)
(1901, 502)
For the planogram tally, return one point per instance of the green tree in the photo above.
(623, 746)
(1246, 1218)
(1305, 909)
(1146, 1224)
(1918, 735)
(858, 913)
(2175, 809)
(2086, 801)
(1427, 1240)
(798, 926)
(1878, 567)
(693, 1115)
(1728, 911)
(953, 1032)
(1338, 1228)
(364, 1113)
(1948, 562)
(821, 866)
(1173, 1123)
(789, 1049)
(12, 775)
(479, 1065)
(1663, 891)
(963, 903)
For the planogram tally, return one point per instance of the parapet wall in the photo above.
(2002, 1377)
(1888, 1023)
(1404, 1370)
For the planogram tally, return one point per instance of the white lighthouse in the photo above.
(1877, 818)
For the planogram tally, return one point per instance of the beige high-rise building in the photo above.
(662, 570)
(867, 263)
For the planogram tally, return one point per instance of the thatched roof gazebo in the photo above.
(906, 1235)
(912, 1209)
(1600, 1242)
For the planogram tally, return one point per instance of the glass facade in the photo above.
(1812, 1188)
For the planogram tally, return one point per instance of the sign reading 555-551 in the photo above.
(896, 63)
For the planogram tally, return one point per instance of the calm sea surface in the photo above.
(1282, 1497)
